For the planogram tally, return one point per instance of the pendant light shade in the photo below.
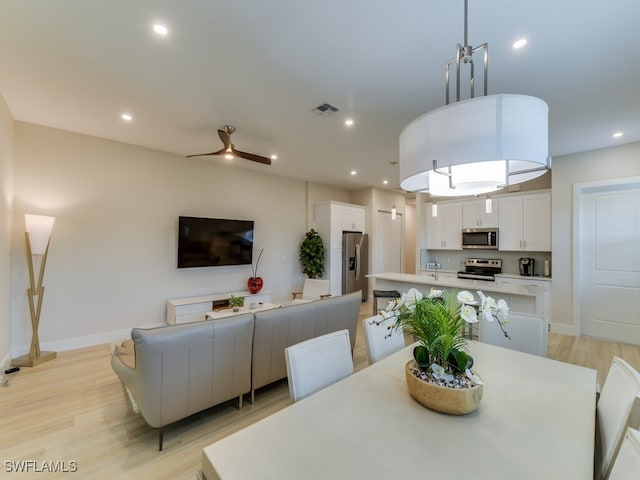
(477, 145)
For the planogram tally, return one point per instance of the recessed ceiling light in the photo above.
(353, 172)
(274, 157)
(160, 29)
(617, 134)
(385, 182)
(349, 122)
(228, 156)
(520, 43)
(126, 117)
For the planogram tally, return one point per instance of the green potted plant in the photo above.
(312, 255)
(236, 302)
(440, 376)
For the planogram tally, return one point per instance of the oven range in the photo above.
(481, 269)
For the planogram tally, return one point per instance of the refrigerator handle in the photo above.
(357, 261)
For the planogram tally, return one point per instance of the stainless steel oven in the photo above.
(481, 238)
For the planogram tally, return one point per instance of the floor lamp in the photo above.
(37, 234)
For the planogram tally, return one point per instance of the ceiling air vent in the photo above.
(325, 109)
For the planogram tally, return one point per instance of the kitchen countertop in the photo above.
(429, 271)
(463, 284)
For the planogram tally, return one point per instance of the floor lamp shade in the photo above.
(39, 228)
(475, 146)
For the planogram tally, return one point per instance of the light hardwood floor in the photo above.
(75, 409)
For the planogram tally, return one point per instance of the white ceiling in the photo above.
(263, 65)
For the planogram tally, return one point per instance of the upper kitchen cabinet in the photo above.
(353, 219)
(525, 222)
(475, 215)
(332, 218)
(443, 231)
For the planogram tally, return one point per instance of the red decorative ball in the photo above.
(254, 284)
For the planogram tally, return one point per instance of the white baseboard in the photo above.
(80, 342)
(564, 329)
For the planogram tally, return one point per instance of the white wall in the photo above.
(112, 259)
(608, 163)
(322, 193)
(6, 200)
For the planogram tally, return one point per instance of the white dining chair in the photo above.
(313, 289)
(618, 408)
(317, 363)
(627, 463)
(380, 340)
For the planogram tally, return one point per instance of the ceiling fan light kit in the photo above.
(477, 145)
(229, 150)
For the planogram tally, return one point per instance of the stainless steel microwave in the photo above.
(482, 238)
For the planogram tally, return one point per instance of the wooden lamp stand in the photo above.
(35, 356)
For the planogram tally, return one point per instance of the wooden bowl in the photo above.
(454, 401)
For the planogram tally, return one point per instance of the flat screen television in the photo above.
(214, 242)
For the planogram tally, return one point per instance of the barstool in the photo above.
(383, 294)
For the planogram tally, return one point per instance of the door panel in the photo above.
(610, 264)
(389, 243)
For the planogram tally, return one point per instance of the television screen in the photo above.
(214, 242)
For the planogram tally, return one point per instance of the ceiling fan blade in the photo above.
(251, 156)
(219, 152)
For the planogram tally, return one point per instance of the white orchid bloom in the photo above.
(490, 304)
(434, 293)
(488, 316)
(482, 296)
(469, 314)
(410, 299)
(465, 297)
(503, 311)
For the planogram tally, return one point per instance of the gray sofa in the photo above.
(280, 328)
(174, 371)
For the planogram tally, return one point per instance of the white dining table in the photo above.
(536, 421)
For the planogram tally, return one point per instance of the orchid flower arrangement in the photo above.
(438, 321)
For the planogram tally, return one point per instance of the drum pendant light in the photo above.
(477, 145)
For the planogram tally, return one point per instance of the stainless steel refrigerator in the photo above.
(355, 261)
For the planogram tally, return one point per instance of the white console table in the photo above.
(228, 312)
(194, 309)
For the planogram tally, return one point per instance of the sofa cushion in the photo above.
(280, 328)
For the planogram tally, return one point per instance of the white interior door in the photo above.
(609, 269)
(388, 243)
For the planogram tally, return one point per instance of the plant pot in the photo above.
(254, 284)
(454, 401)
(236, 309)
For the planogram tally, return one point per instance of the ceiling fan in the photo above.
(229, 149)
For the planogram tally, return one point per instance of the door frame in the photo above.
(579, 190)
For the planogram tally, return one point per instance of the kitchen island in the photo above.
(528, 303)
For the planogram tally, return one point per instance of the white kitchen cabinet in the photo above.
(353, 219)
(525, 222)
(331, 219)
(444, 231)
(475, 215)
